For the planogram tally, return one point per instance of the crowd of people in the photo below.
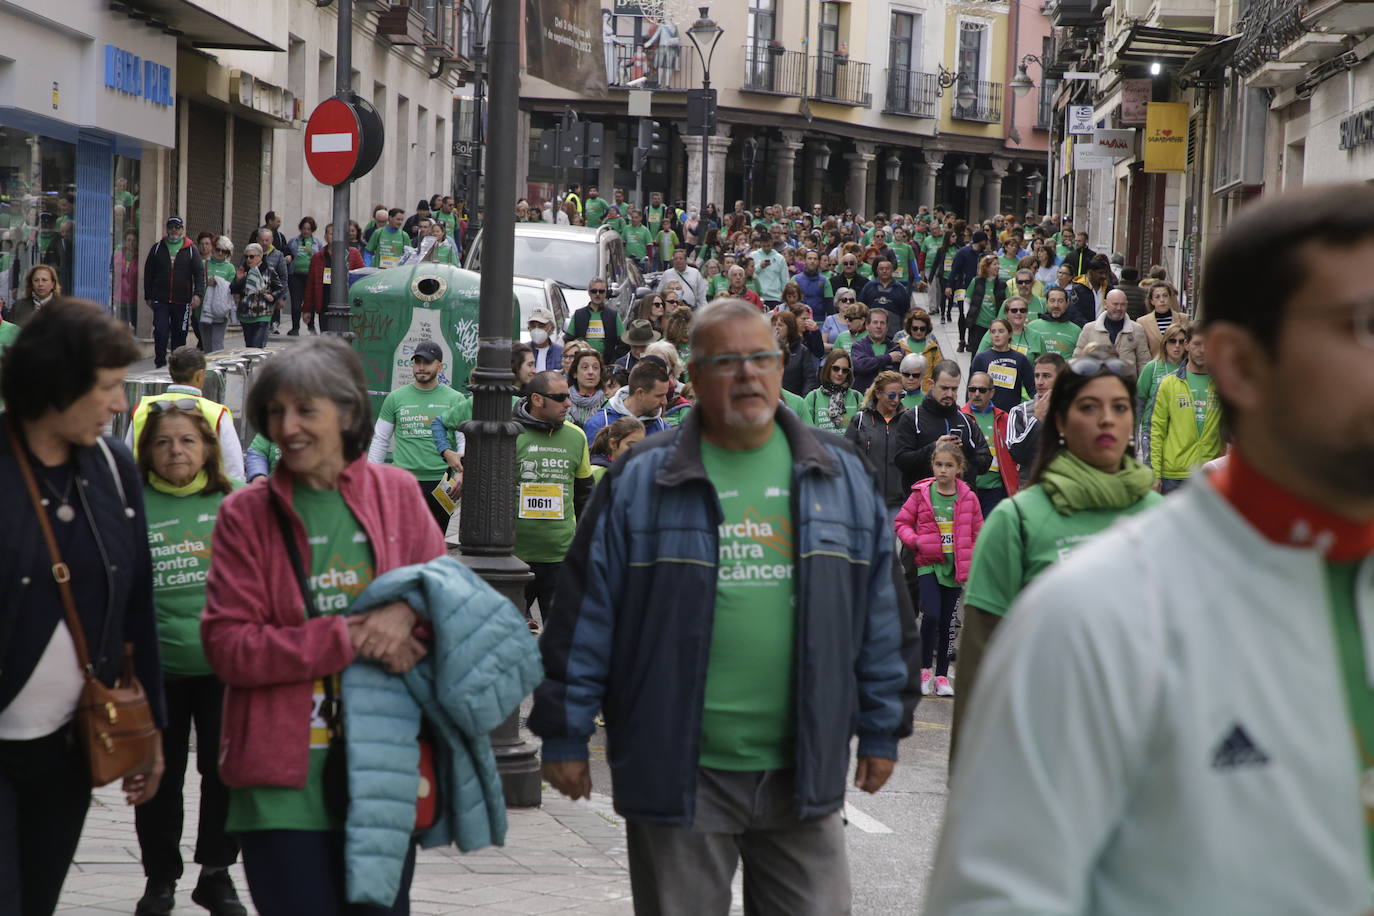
(762, 515)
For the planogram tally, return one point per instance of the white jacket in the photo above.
(1136, 747)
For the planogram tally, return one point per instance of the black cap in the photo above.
(428, 351)
(174, 221)
(979, 236)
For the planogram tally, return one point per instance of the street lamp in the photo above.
(961, 173)
(1022, 82)
(705, 32)
(946, 78)
(478, 13)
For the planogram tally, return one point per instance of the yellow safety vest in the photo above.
(209, 409)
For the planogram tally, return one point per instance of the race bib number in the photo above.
(993, 466)
(946, 535)
(319, 729)
(328, 273)
(1002, 377)
(541, 500)
(390, 260)
(1021, 348)
(595, 329)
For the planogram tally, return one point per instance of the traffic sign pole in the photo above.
(336, 319)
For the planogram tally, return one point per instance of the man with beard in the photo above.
(403, 425)
(938, 419)
(1179, 716)
(737, 637)
(1185, 428)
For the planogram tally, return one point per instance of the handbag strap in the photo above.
(60, 572)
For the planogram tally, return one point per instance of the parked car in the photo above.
(533, 294)
(570, 256)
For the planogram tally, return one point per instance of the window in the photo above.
(902, 45)
(828, 46)
(1239, 140)
(760, 29)
(971, 35)
(38, 208)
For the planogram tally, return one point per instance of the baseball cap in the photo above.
(542, 315)
(428, 350)
(174, 221)
(980, 236)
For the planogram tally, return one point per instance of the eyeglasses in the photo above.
(911, 375)
(252, 255)
(221, 251)
(188, 404)
(1024, 282)
(658, 302)
(920, 327)
(560, 398)
(892, 395)
(728, 365)
(1016, 311)
(596, 292)
(841, 369)
(978, 389)
(1090, 366)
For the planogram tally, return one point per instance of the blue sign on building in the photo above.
(130, 74)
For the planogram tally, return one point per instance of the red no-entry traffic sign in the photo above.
(333, 140)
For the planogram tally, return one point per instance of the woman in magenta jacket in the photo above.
(350, 521)
(939, 523)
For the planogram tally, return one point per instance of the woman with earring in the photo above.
(1083, 481)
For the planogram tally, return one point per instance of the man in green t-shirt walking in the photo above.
(403, 425)
(594, 210)
(388, 243)
(553, 472)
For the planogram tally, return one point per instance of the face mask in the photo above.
(539, 336)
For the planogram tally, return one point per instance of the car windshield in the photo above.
(569, 262)
(530, 299)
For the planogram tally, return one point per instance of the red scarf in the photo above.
(1285, 518)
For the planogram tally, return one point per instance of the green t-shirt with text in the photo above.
(179, 530)
(944, 518)
(1025, 342)
(594, 211)
(637, 240)
(1055, 336)
(341, 566)
(747, 719)
(1200, 388)
(992, 477)
(904, 254)
(411, 410)
(596, 328)
(387, 246)
(1023, 536)
(545, 465)
(817, 410)
(305, 249)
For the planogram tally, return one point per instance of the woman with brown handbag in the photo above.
(77, 585)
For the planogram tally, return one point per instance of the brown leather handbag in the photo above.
(115, 723)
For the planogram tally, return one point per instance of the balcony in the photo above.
(427, 24)
(841, 80)
(1044, 108)
(910, 92)
(1280, 38)
(772, 71)
(978, 100)
(637, 68)
(1076, 12)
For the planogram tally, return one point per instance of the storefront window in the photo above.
(126, 262)
(37, 209)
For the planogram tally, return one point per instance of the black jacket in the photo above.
(920, 428)
(1078, 260)
(977, 291)
(121, 575)
(1136, 301)
(614, 346)
(803, 370)
(1082, 304)
(175, 282)
(877, 441)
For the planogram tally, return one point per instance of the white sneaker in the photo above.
(927, 681)
(944, 687)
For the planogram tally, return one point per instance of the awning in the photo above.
(1212, 59)
(192, 24)
(1170, 48)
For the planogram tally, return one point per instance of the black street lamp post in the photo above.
(705, 32)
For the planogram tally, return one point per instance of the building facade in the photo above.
(874, 106)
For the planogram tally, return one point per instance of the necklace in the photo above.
(64, 513)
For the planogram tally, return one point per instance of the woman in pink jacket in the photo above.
(939, 523)
(278, 656)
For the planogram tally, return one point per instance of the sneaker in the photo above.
(158, 899)
(927, 681)
(215, 892)
(533, 625)
(276, 329)
(944, 687)
(294, 332)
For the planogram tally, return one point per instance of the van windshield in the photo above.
(569, 262)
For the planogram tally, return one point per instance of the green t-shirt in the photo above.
(944, 518)
(179, 529)
(1023, 536)
(410, 410)
(667, 242)
(341, 566)
(594, 211)
(844, 341)
(1007, 267)
(618, 223)
(912, 399)
(717, 285)
(450, 221)
(817, 410)
(992, 477)
(1200, 388)
(793, 402)
(267, 449)
(1055, 336)
(747, 719)
(905, 254)
(1150, 376)
(305, 249)
(637, 240)
(443, 253)
(387, 246)
(1027, 343)
(653, 217)
(1341, 579)
(596, 328)
(221, 269)
(546, 464)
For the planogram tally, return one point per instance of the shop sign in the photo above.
(1080, 119)
(1135, 96)
(130, 74)
(1358, 129)
(1118, 144)
(1086, 157)
(1166, 137)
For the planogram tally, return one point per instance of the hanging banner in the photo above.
(1087, 157)
(1166, 138)
(1118, 144)
(563, 45)
(1135, 95)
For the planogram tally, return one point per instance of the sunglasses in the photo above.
(560, 398)
(921, 327)
(892, 395)
(658, 302)
(596, 292)
(840, 369)
(188, 404)
(221, 251)
(1090, 366)
(1016, 311)
(978, 389)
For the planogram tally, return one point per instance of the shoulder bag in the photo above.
(115, 723)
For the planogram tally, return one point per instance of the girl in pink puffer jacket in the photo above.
(939, 523)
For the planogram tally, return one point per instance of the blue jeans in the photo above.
(291, 872)
(255, 333)
(1168, 485)
(989, 498)
(937, 620)
(169, 328)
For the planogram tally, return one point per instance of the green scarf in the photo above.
(1073, 485)
(162, 486)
